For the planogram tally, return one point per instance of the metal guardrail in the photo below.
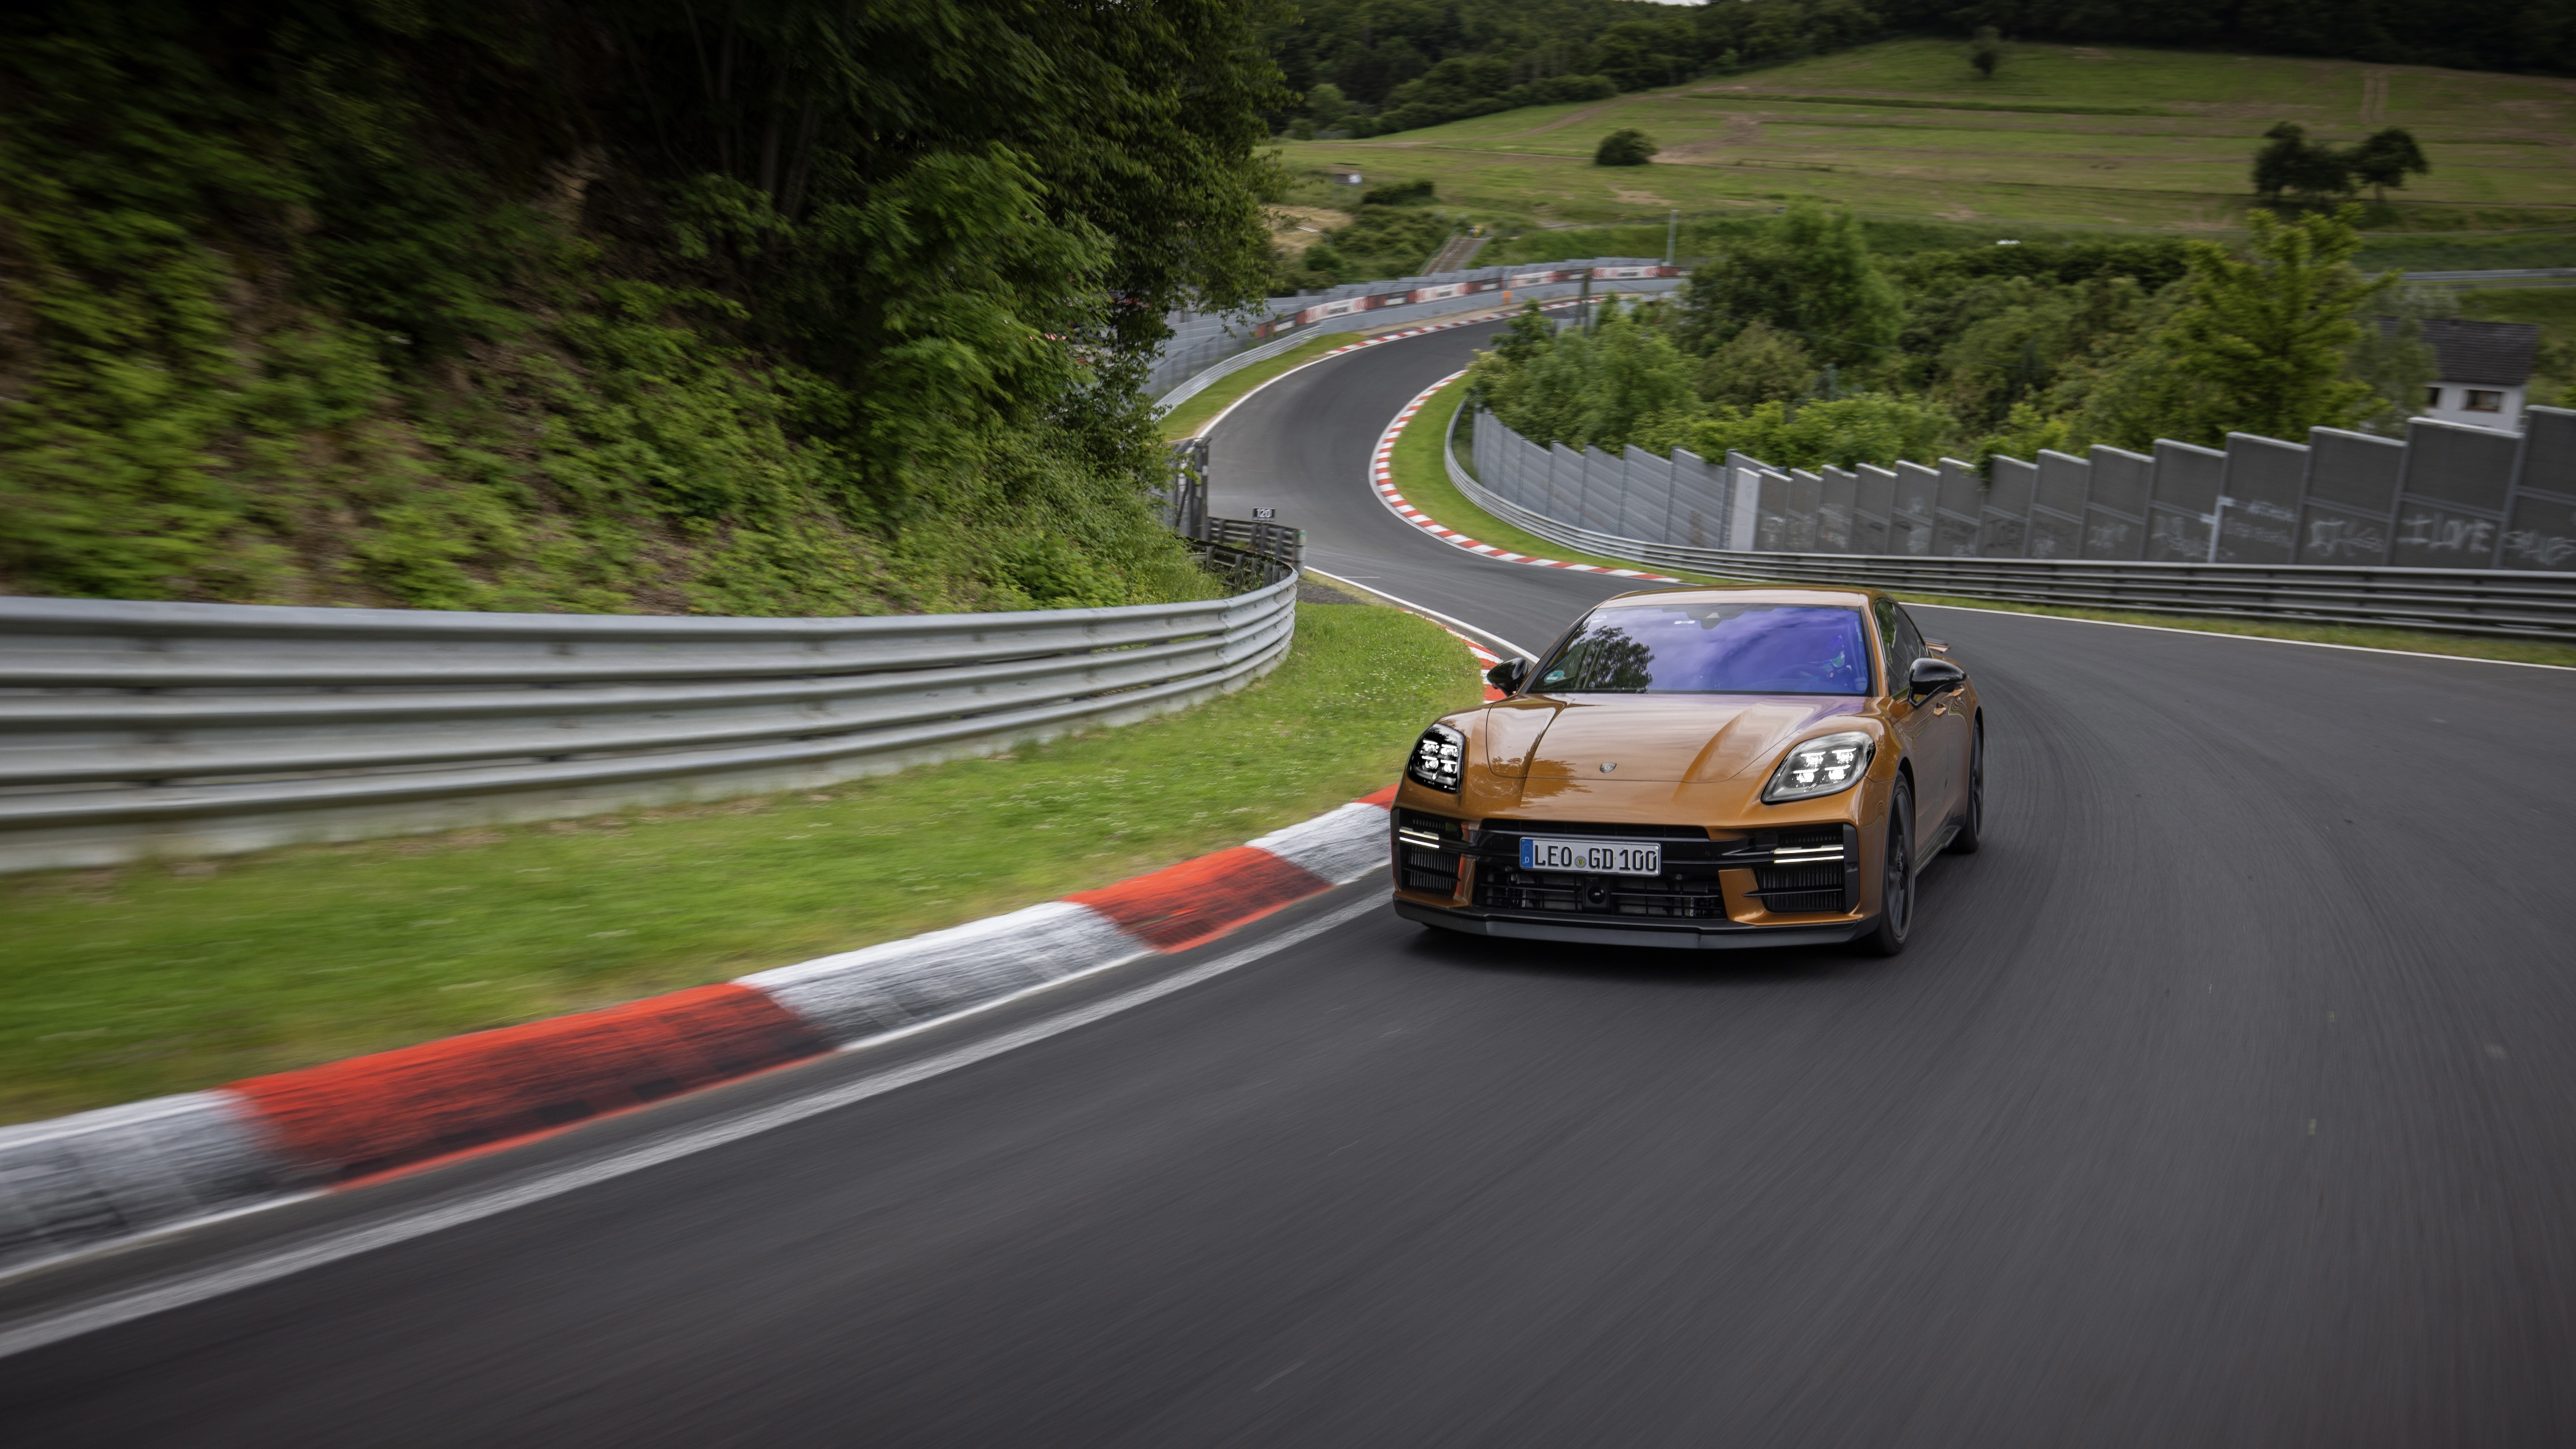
(137, 729)
(2462, 601)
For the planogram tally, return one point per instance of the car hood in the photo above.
(1682, 738)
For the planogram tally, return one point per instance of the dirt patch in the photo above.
(1295, 228)
(1639, 198)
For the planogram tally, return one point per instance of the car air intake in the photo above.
(1805, 868)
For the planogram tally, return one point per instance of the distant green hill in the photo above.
(2064, 136)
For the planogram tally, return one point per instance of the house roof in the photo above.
(2465, 351)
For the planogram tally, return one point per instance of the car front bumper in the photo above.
(1597, 931)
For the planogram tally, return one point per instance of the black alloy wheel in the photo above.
(1896, 883)
(1973, 826)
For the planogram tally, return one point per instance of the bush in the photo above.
(1417, 192)
(1625, 147)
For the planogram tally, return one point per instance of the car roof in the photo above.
(1746, 594)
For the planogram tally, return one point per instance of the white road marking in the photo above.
(199, 1285)
(2258, 638)
(1448, 619)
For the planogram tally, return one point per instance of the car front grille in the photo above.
(1796, 869)
(1665, 897)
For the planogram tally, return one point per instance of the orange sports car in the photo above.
(1703, 767)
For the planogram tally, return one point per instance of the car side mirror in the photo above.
(1508, 675)
(1933, 676)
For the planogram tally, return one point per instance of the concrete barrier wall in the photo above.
(2446, 496)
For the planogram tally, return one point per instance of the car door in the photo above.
(1948, 735)
(1915, 723)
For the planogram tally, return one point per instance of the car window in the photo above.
(1711, 649)
(1904, 643)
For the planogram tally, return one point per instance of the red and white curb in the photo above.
(1468, 321)
(93, 1177)
(1382, 478)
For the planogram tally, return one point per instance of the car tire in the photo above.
(1972, 822)
(1887, 936)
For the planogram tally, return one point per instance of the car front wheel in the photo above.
(1896, 881)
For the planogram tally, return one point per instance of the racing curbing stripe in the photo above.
(1180, 906)
(369, 1114)
(93, 1177)
(73, 1183)
(866, 993)
(1382, 481)
(1338, 847)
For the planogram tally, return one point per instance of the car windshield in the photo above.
(1712, 649)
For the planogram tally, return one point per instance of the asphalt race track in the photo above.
(2226, 1098)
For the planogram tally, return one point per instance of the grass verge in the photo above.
(142, 980)
(1196, 411)
(1424, 482)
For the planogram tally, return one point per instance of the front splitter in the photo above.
(1669, 938)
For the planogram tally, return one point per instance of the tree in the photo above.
(1812, 276)
(2386, 159)
(2293, 164)
(1759, 364)
(2267, 338)
(1625, 147)
(1327, 105)
(1870, 427)
(1986, 51)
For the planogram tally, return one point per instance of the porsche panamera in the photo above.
(1699, 768)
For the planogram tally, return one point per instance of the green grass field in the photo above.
(2080, 137)
(149, 979)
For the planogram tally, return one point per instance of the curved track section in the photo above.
(2223, 1098)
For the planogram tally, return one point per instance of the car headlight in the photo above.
(1437, 758)
(1825, 765)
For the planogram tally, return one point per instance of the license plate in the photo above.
(1599, 857)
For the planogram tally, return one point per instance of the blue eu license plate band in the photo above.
(1610, 857)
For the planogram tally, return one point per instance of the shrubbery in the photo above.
(477, 307)
(1627, 146)
(1796, 346)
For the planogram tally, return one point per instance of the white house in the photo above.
(2484, 370)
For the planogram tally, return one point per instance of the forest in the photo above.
(769, 307)
(1802, 348)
